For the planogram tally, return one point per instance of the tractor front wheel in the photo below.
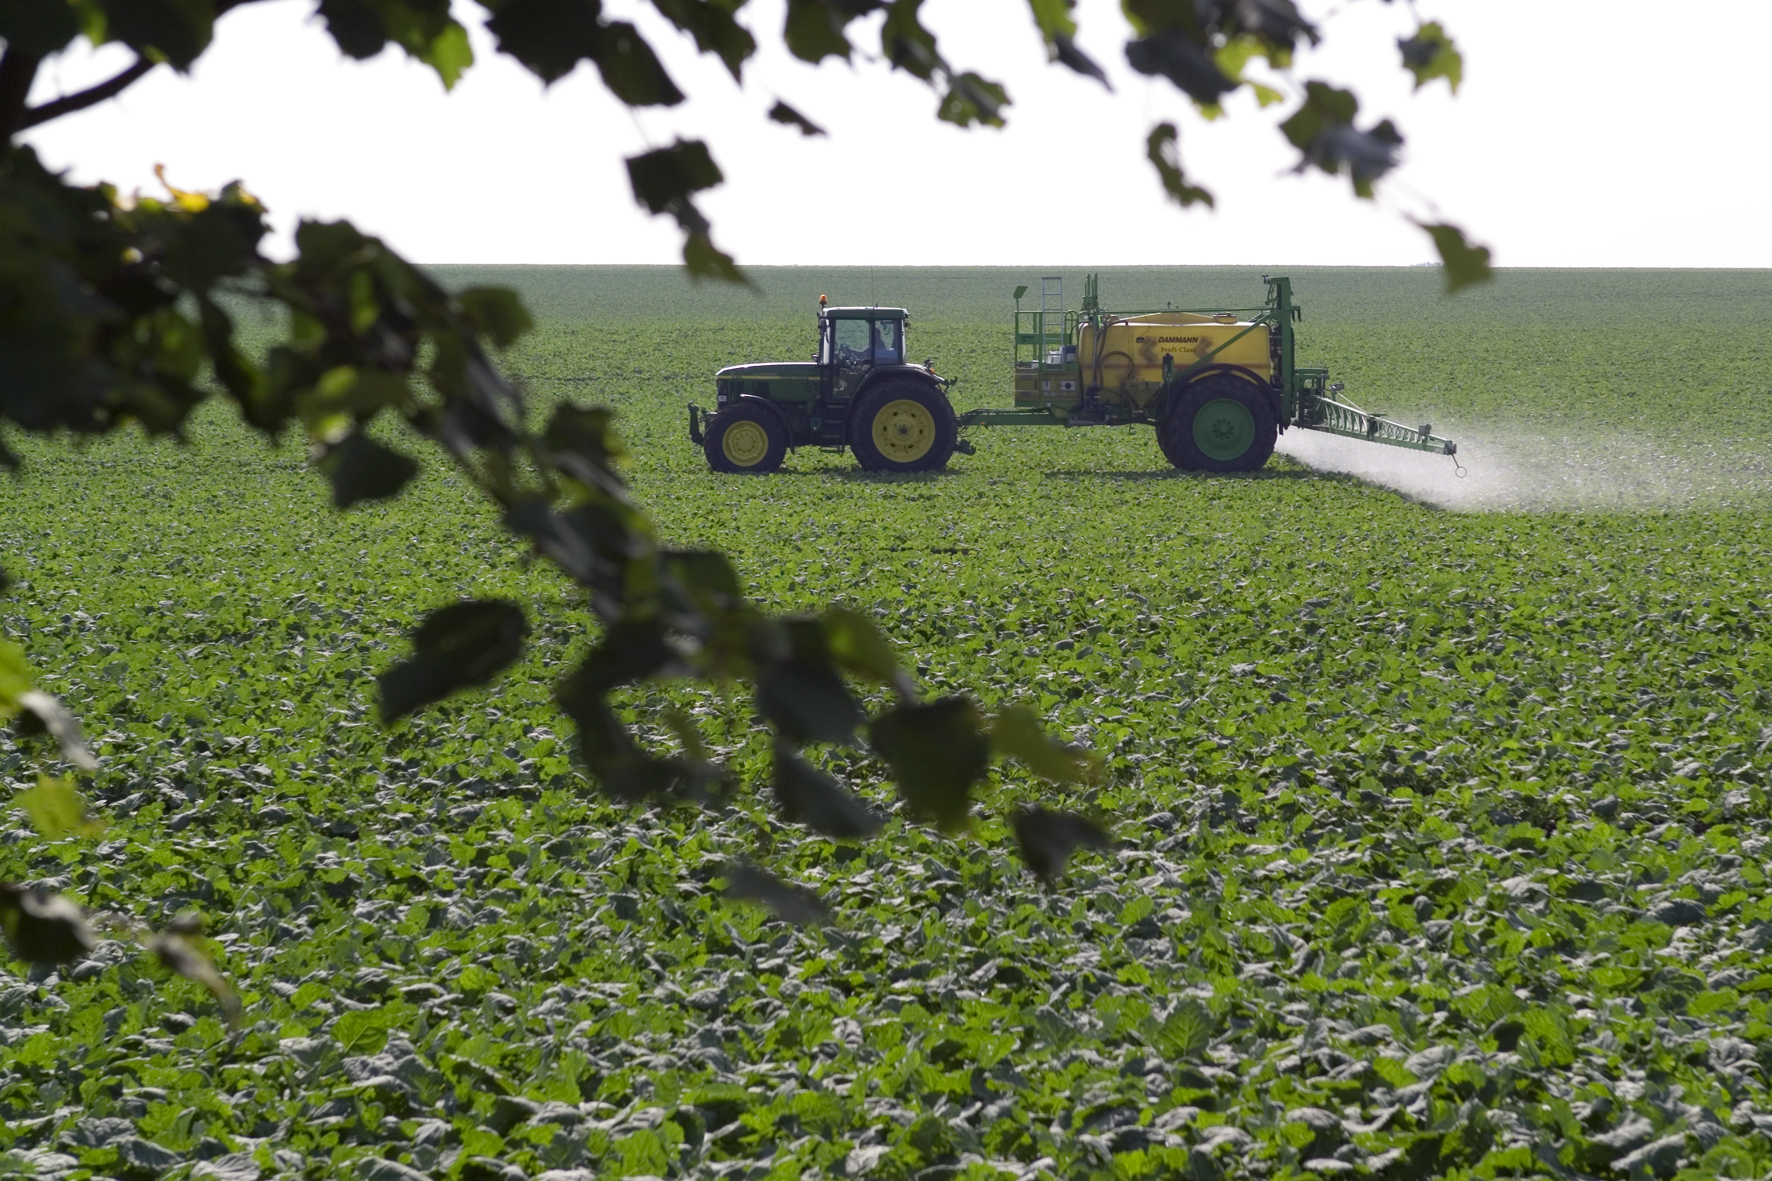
(746, 439)
(1219, 424)
(903, 426)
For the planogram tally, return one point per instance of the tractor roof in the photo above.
(864, 314)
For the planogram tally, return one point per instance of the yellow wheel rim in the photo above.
(904, 431)
(745, 443)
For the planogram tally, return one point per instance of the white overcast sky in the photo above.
(1586, 134)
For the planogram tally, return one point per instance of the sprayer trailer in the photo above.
(1218, 384)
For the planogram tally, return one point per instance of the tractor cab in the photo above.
(852, 342)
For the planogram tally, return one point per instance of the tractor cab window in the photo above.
(852, 341)
(888, 342)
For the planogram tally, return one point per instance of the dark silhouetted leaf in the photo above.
(355, 26)
(1016, 731)
(1177, 56)
(1465, 263)
(630, 651)
(712, 25)
(1431, 54)
(707, 574)
(5, 581)
(361, 469)
(1276, 22)
(1323, 130)
(815, 29)
(1066, 53)
(971, 99)
(498, 312)
(1047, 839)
(38, 27)
(41, 927)
(630, 69)
(664, 180)
(176, 952)
(550, 37)
(178, 30)
(809, 796)
(782, 113)
(1165, 156)
(788, 902)
(937, 752)
(808, 702)
(457, 646)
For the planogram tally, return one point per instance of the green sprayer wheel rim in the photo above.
(1224, 429)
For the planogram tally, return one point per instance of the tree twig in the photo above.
(68, 104)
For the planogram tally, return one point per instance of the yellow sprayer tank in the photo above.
(1131, 350)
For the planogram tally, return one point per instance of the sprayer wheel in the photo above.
(1221, 424)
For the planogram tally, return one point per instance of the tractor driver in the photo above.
(886, 341)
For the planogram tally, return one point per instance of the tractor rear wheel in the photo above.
(903, 426)
(746, 439)
(1219, 424)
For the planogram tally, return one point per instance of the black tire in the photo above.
(1219, 424)
(745, 439)
(903, 426)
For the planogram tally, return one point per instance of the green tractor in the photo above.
(857, 392)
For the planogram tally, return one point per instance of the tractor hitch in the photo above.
(695, 434)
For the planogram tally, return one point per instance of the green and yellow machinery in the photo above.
(1218, 384)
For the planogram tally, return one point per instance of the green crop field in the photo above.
(1442, 836)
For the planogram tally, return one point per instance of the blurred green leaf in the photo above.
(1165, 156)
(905, 42)
(1464, 262)
(856, 643)
(1430, 54)
(1323, 130)
(1016, 731)
(57, 810)
(15, 678)
(497, 312)
(971, 99)
(937, 752)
